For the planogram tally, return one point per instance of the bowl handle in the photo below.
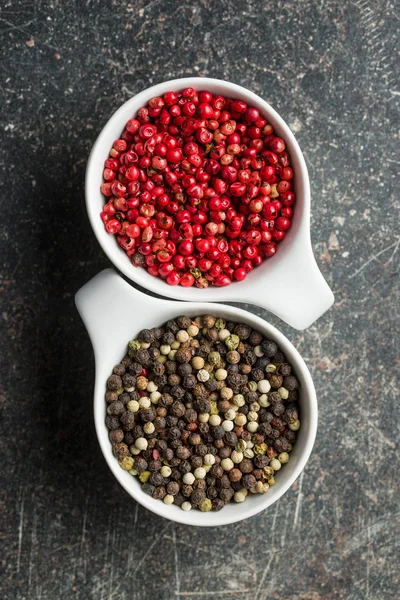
(297, 291)
(102, 304)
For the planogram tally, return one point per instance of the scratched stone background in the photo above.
(67, 529)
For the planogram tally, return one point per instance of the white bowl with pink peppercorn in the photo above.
(240, 187)
(113, 312)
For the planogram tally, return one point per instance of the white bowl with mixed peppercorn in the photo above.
(189, 451)
(195, 210)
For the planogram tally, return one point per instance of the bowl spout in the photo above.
(104, 303)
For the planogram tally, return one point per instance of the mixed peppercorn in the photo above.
(203, 411)
(199, 189)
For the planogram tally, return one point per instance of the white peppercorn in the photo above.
(197, 362)
(188, 478)
(209, 459)
(151, 387)
(186, 506)
(240, 420)
(175, 345)
(149, 428)
(252, 415)
(227, 425)
(155, 397)
(226, 393)
(221, 374)
(275, 464)
(252, 426)
(240, 496)
(165, 471)
(141, 443)
(284, 393)
(263, 386)
(144, 402)
(168, 499)
(223, 334)
(215, 420)
(238, 400)
(283, 457)
(203, 375)
(237, 457)
(248, 453)
(200, 473)
(258, 351)
(192, 330)
(241, 446)
(182, 336)
(227, 464)
(230, 414)
(204, 417)
(133, 406)
(295, 425)
(263, 400)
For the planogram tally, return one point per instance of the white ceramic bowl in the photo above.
(290, 284)
(114, 312)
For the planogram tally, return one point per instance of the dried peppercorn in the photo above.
(166, 425)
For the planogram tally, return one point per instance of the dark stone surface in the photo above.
(67, 529)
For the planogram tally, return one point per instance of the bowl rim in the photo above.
(237, 291)
(245, 510)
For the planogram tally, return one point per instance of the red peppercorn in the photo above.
(194, 171)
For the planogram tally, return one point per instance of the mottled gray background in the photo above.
(67, 529)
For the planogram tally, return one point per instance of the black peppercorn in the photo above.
(187, 490)
(261, 461)
(183, 452)
(242, 331)
(147, 336)
(154, 465)
(116, 436)
(114, 383)
(119, 370)
(116, 408)
(255, 338)
(127, 421)
(159, 493)
(246, 466)
(226, 494)
(185, 369)
(197, 497)
(171, 421)
(189, 382)
(290, 383)
(135, 369)
(156, 479)
(249, 357)
(196, 461)
(173, 432)
(275, 380)
(183, 322)
(140, 464)
(218, 432)
(143, 357)
(147, 488)
(211, 385)
(185, 467)
(183, 355)
(230, 438)
(147, 414)
(217, 504)
(111, 396)
(269, 348)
